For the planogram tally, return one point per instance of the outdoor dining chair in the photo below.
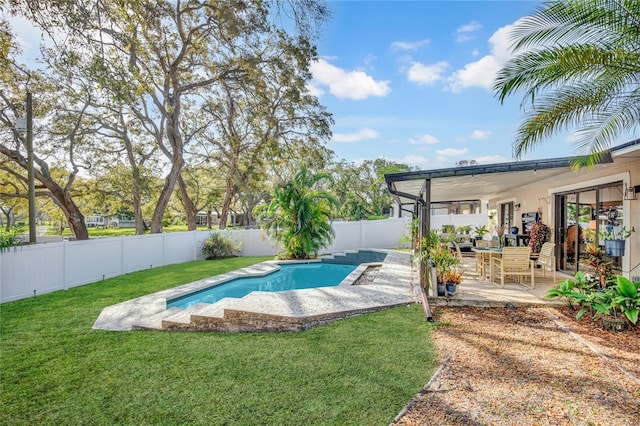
(546, 259)
(515, 261)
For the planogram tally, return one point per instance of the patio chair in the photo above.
(546, 259)
(515, 261)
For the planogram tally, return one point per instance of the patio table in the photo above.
(484, 258)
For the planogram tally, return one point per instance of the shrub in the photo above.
(218, 246)
(621, 299)
(11, 238)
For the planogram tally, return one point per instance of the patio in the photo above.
(477, 290)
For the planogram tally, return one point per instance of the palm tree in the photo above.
(578, 62)
(299, 215)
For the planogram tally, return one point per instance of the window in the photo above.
(456, 207)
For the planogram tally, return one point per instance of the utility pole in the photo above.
(30, 173)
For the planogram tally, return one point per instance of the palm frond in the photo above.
(578, 64)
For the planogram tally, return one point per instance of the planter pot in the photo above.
(614, 247)
(442, 289)
(451, 289)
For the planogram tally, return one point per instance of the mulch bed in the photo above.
(529, 366)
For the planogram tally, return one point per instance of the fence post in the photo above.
(122, 272)
(164, 242)
(195, 243)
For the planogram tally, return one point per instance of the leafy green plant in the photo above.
(443, 260)
(299, 215)
(219, 246)
(481, 231)
(565, 291)
(595, 257)
(11, 238)
(464, 229)
(623, 298)
(434, 250)
(626, 298)
(596, 302)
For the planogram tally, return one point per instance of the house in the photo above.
(576, 205)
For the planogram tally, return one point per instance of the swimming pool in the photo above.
(293, 276)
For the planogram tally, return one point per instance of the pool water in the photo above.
(290, 277)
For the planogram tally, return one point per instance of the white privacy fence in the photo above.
(44, 268)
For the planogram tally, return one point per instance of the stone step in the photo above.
(356, 257)
(154, 322)
(183, 316)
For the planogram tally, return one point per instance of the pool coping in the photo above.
(262, 311)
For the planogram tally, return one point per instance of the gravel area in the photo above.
(529, 366)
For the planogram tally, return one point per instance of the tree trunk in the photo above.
(8, 215)
(229, 193)
(189, 207)
(165, 197)
(177, 163)
(74, 217)
(61, 196)
(137, 203)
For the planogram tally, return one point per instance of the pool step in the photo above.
(154, 322)
(182, 317)
(356, 257)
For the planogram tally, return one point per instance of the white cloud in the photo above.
(409, 45)
(492, 159)
(425, 139)
(469, 28)
(415, 161)
(370, 59)
(314, 90)
(482, 72)
(451, 152)
(347, 84)
(480, 134)
(462, 33)
(427, 74)
(360, 135)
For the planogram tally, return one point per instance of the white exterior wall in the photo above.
(57, 266)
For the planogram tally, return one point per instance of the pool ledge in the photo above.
(262, 311)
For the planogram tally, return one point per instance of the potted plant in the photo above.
(614, 240)
(443, 260)
(481, 231)
(451, 280)
(466, 229)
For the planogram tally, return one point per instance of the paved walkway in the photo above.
(476, 290)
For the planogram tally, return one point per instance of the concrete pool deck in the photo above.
(393, 284)
(263, 311)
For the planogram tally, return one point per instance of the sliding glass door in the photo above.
(580, 216)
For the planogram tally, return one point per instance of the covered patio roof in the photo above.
(480, 182)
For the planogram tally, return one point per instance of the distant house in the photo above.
(95, 221)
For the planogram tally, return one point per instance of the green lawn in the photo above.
(56, 370)
(117, 232)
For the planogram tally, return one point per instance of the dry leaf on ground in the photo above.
(533, 366)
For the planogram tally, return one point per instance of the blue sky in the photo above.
(410, 81)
